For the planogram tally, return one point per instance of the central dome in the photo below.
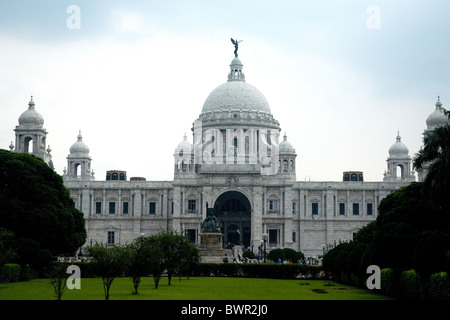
(236, 94)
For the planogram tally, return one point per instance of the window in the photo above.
(192, 206)
(369, 209)
(115, 176)
(354, 177)
(273, 236)
(125, 207)
(273, 205)
(112, 207)
(191, 235)
(152, 208)
(110, 237)
(293, 237)
(98, 207)
(315, 208)
(342, 209)
(293, 207)
(356, 209)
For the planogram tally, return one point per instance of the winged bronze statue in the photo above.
(236, 46)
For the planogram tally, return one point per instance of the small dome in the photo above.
(398, 149)
(285, 146)
(79, 147)
(184, 146)
(437, 117)
(31, 117)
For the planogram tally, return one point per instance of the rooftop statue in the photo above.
(236, 46)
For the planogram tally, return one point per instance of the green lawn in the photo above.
(195, 288)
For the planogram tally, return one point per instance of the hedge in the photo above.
(407, 284)
(259, 270)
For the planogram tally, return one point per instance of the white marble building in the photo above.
(238, 165)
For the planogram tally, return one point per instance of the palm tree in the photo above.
(435, 154)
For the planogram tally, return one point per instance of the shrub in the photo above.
(387, 279)
(248, 254)
(10, 272)
(439, 286)
(410, 285)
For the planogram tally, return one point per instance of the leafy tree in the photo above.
(430, 253)
(35, 205)
(175, 248)
(7, 252)
(138, 265)
(58, 279)
(156, 258)
(276, 254)
(436, 154)
(109, 263)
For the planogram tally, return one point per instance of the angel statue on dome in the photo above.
(236, 46)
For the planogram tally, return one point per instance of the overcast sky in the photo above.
(341, 77)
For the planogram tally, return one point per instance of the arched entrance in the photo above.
(233, 209)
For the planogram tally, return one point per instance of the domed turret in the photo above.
(398, 149)
(184, 157)
(79, 147)
(437, 117)
(31, 136)
(79, 161)
(31, 117)
(184, 146)
(285, 146)
(399, 163)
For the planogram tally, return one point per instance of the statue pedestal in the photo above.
(210, 248)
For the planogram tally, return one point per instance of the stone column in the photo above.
(256, 217)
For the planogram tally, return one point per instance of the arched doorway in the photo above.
(233, 209)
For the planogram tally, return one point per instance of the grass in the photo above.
(195, 288)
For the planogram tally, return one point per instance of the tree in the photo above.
(109, 263)
(436, 154)
(156, 258)
(7, 252)
(58, 279)
(35, 205)
(175, 248)
(430, 253)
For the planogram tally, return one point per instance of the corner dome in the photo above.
(285, 146)
(79, 147)
(398, 149)
(31, 117)
(437, 117)
(184, 146)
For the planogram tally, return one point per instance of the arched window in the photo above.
(346, 177)
(115, 176)
(28, 146)
(122, 176)
(354, 177)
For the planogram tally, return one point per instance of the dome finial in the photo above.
(438, 103)
(31, 103)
